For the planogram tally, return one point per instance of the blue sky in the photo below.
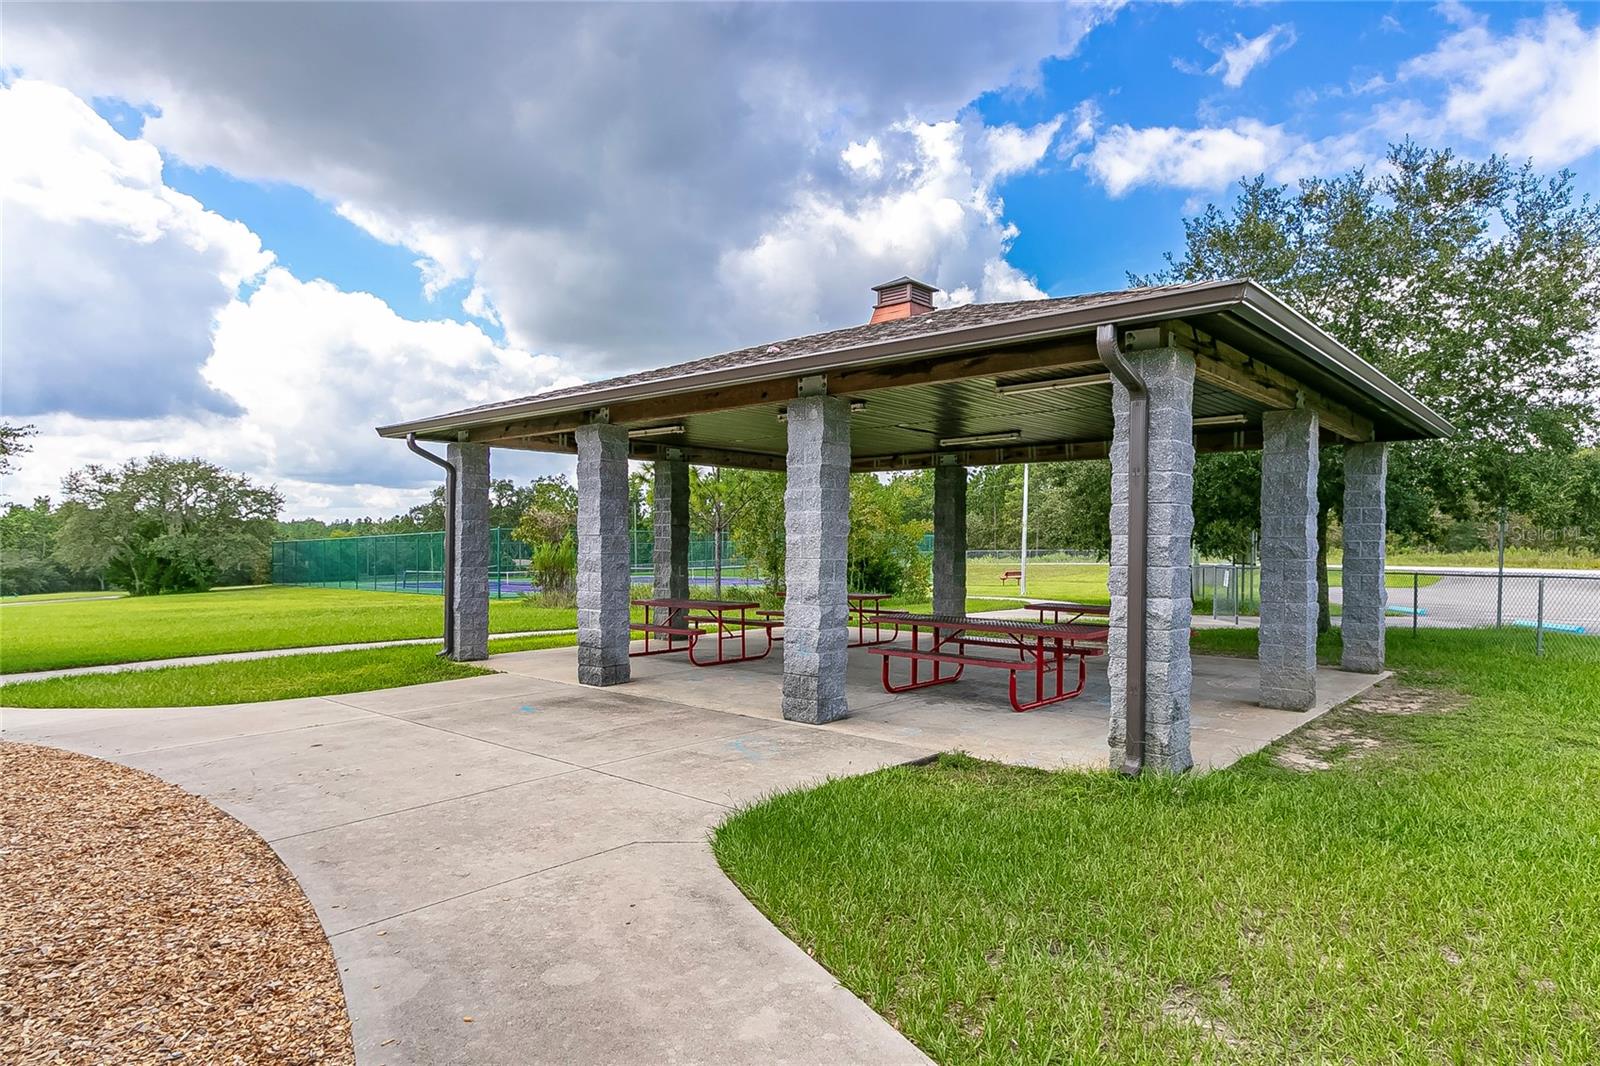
(258, 231)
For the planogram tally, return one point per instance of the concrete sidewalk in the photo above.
(527, 855)
(244, 656)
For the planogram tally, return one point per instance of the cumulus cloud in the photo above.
(589, 207)
(316, 368)
(111, 278)
(1125, 157)
(933, 213)
(1532, 92)
(136, 321)
(1235, 61)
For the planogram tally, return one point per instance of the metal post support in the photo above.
(1238, 591)
(1416, 581)
(1022, 577)
(1538, 630)
(1500, 581)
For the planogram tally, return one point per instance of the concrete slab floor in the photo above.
(974, 714)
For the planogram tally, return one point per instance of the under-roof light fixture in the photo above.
(1219, 420)
(1049, 384)
(1003, 437)
(656, 431)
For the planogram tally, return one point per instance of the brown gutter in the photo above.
(449, 542)
(1138, 534)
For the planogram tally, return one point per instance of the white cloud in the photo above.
(127, 332)
(934, 214)
(316, 368)
(864, 156)
(1124, 158)
(540, 161)
(1533, 92)
(1236, 61)
(111, 278)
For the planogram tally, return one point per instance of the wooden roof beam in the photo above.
(1224, 366)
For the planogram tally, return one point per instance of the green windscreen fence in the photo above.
(414, 562)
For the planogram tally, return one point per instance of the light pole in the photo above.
(1022, 576)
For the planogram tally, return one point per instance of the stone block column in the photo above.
(816, 505)
(470, 544)
(1365, 521)
(1288, 650)
(669, 549)
(950, 539)
(603, 554)
(1168, 375)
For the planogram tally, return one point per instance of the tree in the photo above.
(758, 530)
(717, 501)
(888, 519)
(549, 512)
(28, 559)
(13, 442)
(162, 525)
(1475, 285)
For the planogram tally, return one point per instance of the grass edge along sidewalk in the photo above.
(259, 680)
(1406, 878)
(135, 629)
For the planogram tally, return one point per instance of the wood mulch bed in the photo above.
(139, 923)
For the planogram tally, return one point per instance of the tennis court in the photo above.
(414, 562)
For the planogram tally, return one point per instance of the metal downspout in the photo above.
(449, 542)
(1138, 533)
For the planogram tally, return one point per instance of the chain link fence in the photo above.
(1538, 610)
(1531, 609)
(414, 562)
(393, 562)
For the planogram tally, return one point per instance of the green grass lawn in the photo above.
(1431, 897)
(203, 623)
(281, 678)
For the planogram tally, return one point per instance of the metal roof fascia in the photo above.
(1270, 314)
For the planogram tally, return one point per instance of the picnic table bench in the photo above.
(864, 609)
(1012, 575)
(1040, 648)
(727, 620)
(1057, 608)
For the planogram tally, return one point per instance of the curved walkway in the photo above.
(263, 653)
(512, 870)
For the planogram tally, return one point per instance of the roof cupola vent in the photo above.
(902, 298)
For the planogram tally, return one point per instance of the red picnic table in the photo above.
(864, 609)
(727, 619)
(1057, 608)
(1041, 649)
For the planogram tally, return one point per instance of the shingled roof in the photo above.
(1237, 311)
(946, 320)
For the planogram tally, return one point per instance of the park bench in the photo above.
(1041, 649)
(690, 633)
(1012, 575)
